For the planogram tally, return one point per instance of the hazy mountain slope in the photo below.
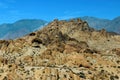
(114, 25)
(20, 28)
(96, 23)
(109, 25)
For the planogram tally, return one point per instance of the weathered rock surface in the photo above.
(62, 50)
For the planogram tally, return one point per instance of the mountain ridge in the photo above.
(23, 27)
(99, 23)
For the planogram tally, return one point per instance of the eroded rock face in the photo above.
(62, 50)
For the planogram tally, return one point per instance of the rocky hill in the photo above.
(62, 50)
(20, 28)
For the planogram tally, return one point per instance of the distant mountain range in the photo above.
(25, 26)
(20, 28)
(109, 25)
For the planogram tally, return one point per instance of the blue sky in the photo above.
(12, 10)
